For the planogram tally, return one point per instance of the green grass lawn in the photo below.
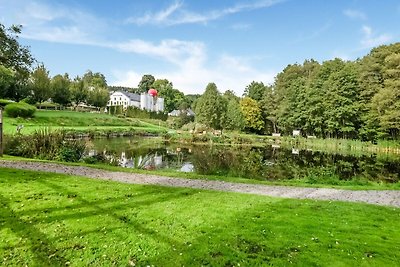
(58, 220)
(82, 121)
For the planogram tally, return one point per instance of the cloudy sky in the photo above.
(192, 43)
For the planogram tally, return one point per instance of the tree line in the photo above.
(357, 99)
(20, 80)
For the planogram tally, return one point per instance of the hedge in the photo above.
(20, 109)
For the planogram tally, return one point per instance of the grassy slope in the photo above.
(74, 120)
(51, 219)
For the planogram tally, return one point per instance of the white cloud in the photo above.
(174, 51)
(188, 65)
(158, 17)
(370, 39)
(227, 72)
(54, 22)
(175, 14)
(355, 14)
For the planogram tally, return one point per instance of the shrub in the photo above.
(5, 102)
(44, 144)
(71, 151)
(20, 110)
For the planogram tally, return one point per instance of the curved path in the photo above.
(378, 197)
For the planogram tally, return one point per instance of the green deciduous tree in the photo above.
(40, 84)
(7, 81)
(252, 115)
(98, 97)
(173, 98)
(79, 93)
(210, 107)
(12, 54)
(145, 83)
(269, 106)
(233, 119)
(255, 90)
(94, 80)
(60, 86)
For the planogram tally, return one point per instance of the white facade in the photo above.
(123, 99)
(143, 101)
(150, 103)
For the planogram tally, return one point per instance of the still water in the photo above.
(262, 163)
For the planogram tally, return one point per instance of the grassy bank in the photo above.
(341, 145)
(79, 121)
(51, 219)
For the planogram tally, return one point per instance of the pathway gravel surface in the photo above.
(377, 197)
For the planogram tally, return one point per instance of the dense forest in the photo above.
(338, 99)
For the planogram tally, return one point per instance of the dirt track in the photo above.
(378, 197)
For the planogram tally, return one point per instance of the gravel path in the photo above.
(378, 197)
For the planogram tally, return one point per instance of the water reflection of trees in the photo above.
(275, 164)
(267, 163)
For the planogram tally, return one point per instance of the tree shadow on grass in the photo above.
(40, 244)
(43, 252)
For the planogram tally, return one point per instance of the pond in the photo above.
(261, 163)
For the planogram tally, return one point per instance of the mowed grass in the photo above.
(56, 119)
(57, 220)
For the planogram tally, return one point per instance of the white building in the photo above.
(143, 101)
(148, 102)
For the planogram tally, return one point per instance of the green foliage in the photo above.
(79, 93)
(71, 151)
(94, 80)
(233, 118)
(15, 64)
(145, 83)
(21, 109)
(7, 81)
(181, 120)
(252, 114)
(255, 90)
(98, 97)
(43, 144)
(173, 98)
(135, 112)
(5, 102)
(40, 84)
(211, 107)
(269, 107)
(60, 89)
(13, 55)
(115, 110)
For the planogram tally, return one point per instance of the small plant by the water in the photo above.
(45, 144)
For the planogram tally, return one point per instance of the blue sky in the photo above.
(192, 43)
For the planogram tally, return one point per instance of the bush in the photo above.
(5, 102)
(21, 109)
(43, 144)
